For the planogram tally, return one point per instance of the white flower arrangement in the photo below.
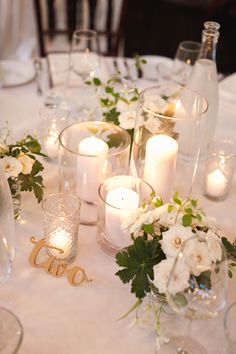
(20, 164)
(159, 233)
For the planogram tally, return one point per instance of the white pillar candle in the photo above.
(119, 202)
(160, 164)
(62, 240)
(216, 184)
(91, 167)
(51, 146)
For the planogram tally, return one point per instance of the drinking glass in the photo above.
(52, 78)
(229, 326)
(185, 57)
(11, 331)
(84, 57)
(205, 292)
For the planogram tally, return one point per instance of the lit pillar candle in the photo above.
(216, 184)
(91, 167)
(119, 202)
(160, 164)
(61, 240)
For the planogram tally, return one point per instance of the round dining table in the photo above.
(58, 318)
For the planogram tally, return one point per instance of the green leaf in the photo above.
(170, 208)
(187, 220)
(112, 116)
(148, 228)
(176, 198)
(188, 210)
(230, 274)
(231, 249)
(137, 262)
(96, 81)
(199, 217)
(157, 202)
(109, 89)
(36, 168)
(143, 61)
(194, 203)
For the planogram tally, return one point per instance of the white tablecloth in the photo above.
(58, 318)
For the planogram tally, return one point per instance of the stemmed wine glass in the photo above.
(185, 57)
(84, 56)
(11, 331)
(204, 294)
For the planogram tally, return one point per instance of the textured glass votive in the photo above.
(167, 138)
(53, 120)
(119, 198)
(219, 169)
(61, 222)
(89, 153)
(229, 327)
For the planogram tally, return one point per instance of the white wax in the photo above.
(51, 146)
(119, 202)
(160, 164)
(91, 167)
(216, 184)
(60, 239)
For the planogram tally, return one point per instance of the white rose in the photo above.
(156, 104)
(11, 166)
(152, 124)
(214, 246)
(174, 238)
(197, 258)
(127, 119)
(27, 163)
(168, 277)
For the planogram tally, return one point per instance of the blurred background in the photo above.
(30, 28)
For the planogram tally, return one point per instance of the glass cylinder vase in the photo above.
(90, 152)
(119, 198)
(167, 138)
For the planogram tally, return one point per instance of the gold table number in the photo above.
(76, 275)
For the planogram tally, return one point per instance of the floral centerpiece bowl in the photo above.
(167, 138)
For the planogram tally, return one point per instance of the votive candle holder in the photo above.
(60, 224)
(219, 169)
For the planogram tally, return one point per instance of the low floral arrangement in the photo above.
(21, 166)
(158, 232)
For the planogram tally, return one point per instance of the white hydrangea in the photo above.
(127, 119)
(156, 104)
(27, 164)
(171, 277)
(174, 238)
(198, 257)
(214, 246)
(11, 166)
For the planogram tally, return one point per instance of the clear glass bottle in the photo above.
(204, 79)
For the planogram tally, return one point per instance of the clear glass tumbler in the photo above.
(61, 223)
(219, 169)
(11, 333)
